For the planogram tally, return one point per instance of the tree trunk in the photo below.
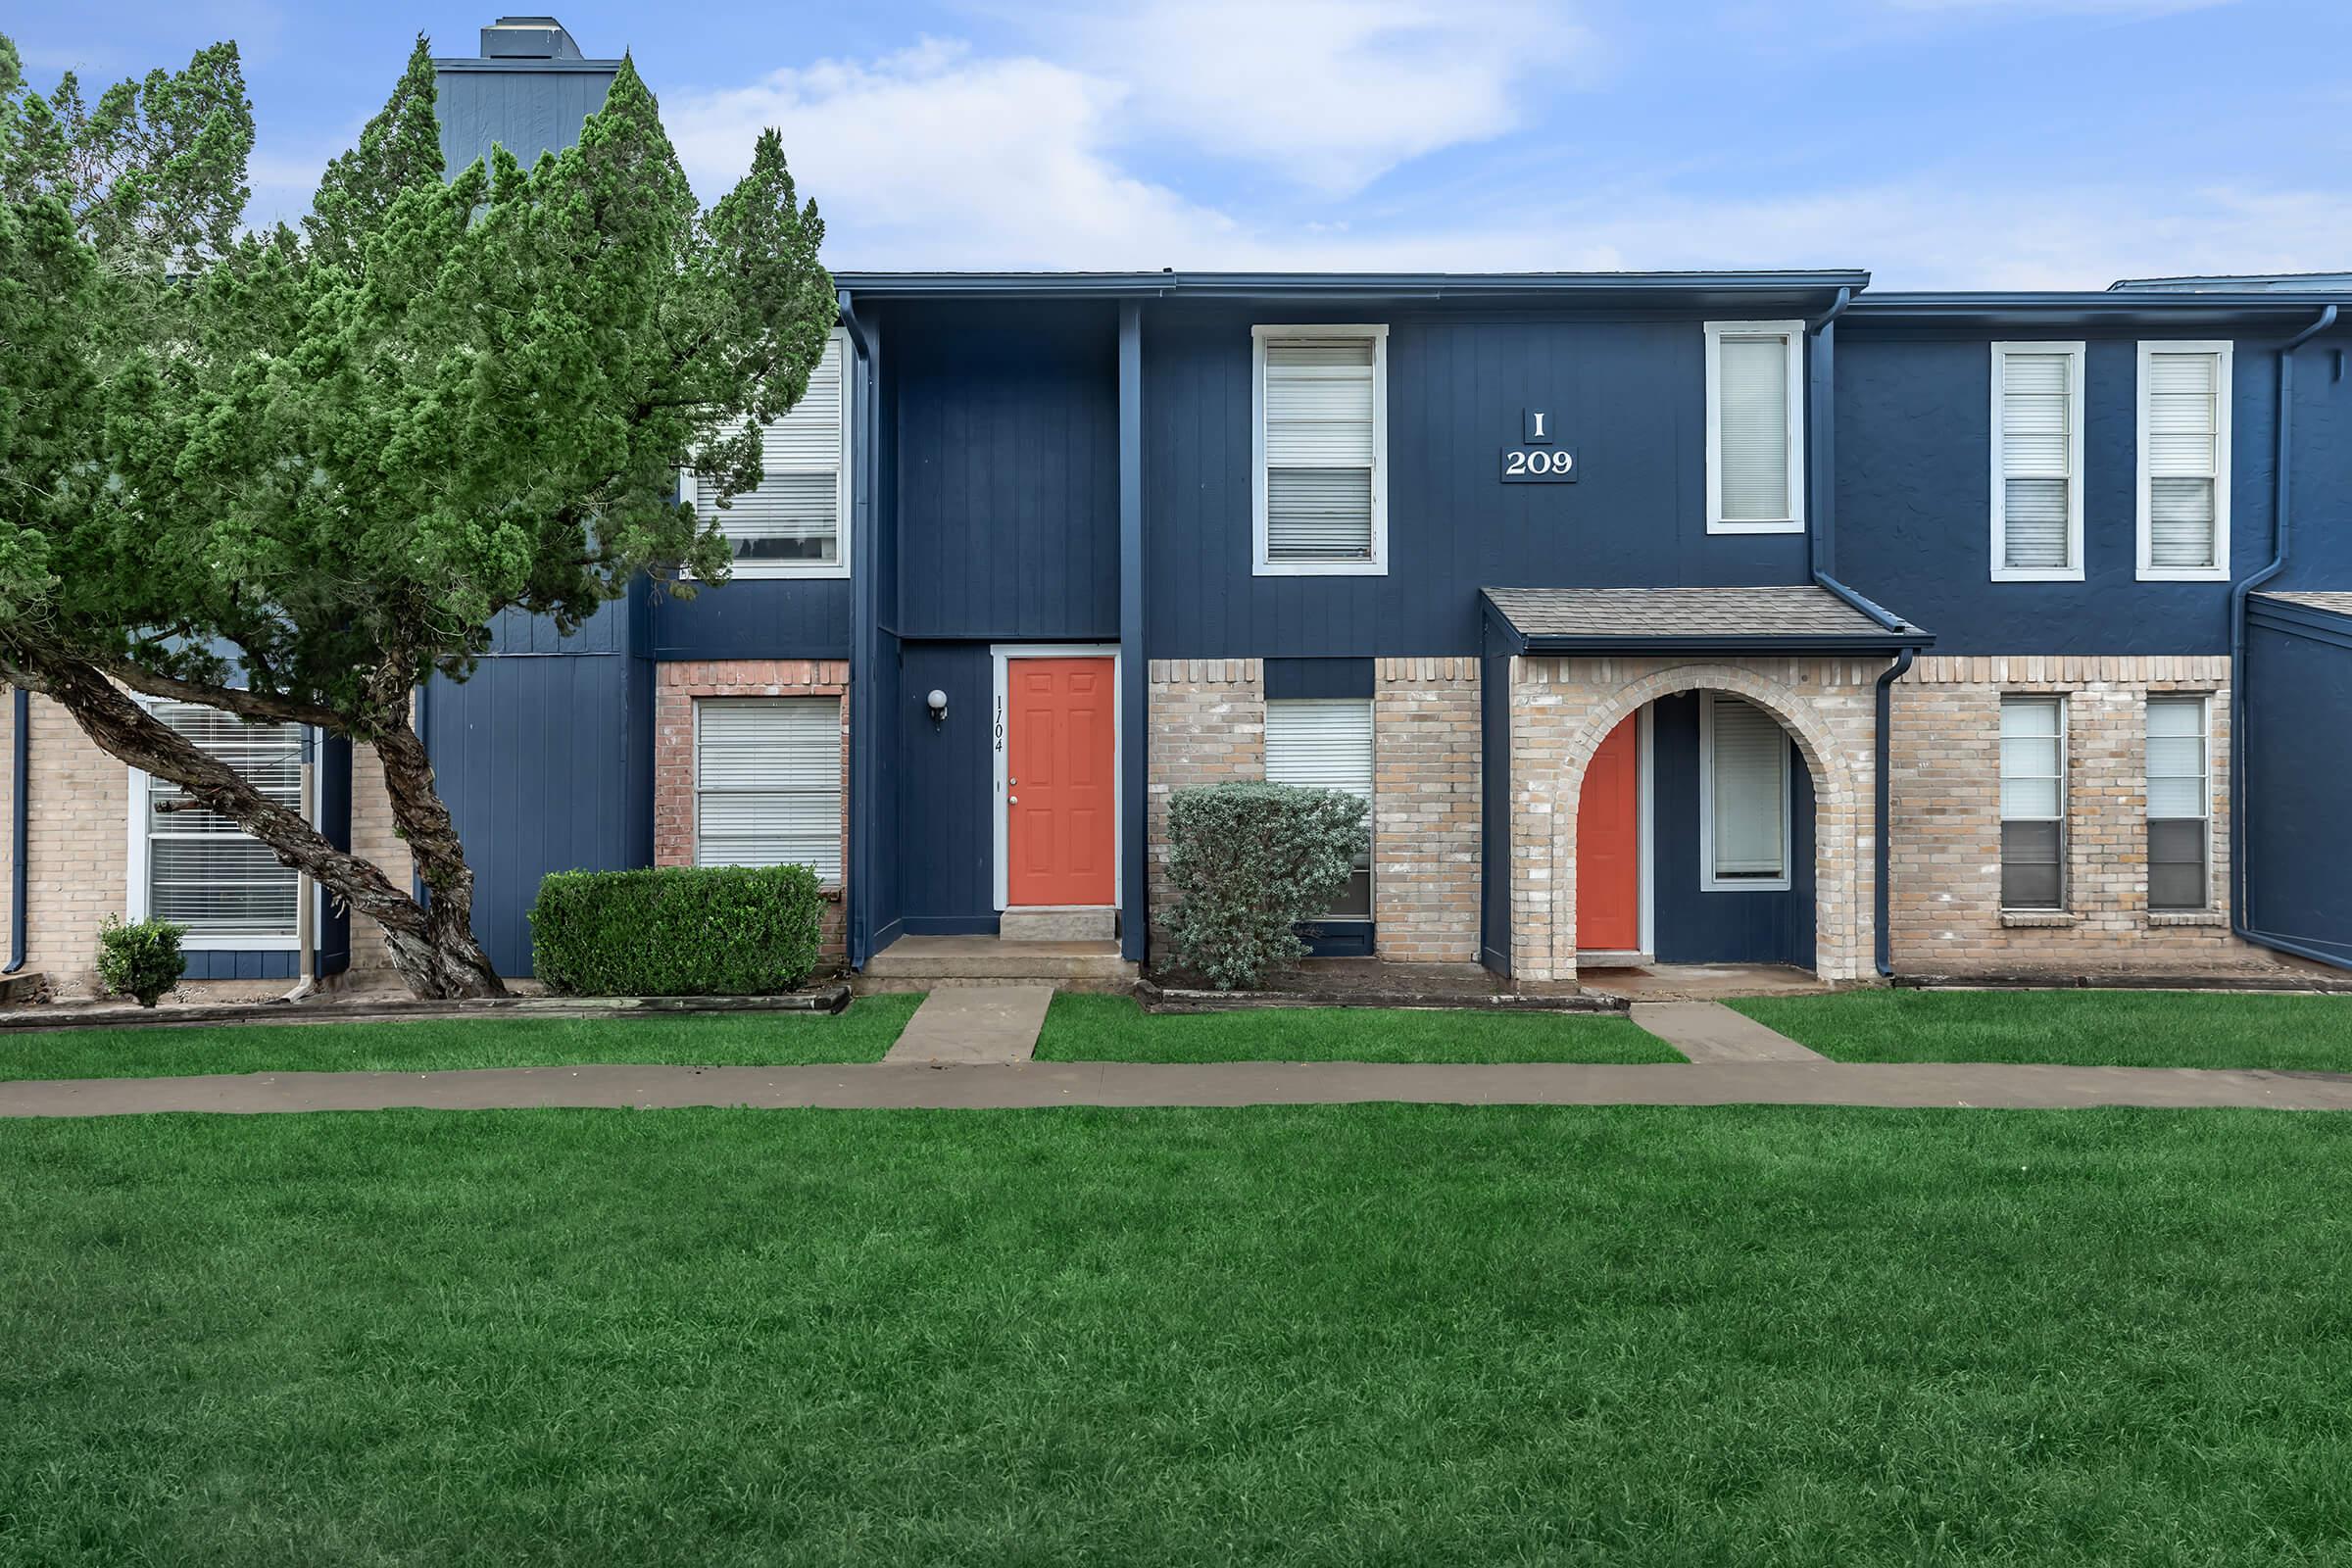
(434, 951)
(445, 948)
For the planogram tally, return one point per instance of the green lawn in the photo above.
(1296, 1336)
(1089, 1028)
(428, 1044)
(2083, 1028)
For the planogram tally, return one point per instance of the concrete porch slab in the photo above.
(974, 1026)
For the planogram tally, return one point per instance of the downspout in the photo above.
(2281, 535)
(19, 900)
(1821, 555)
(864, 708)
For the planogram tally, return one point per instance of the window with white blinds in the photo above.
(2036, 461)
(2179, 802)
(201, 870)
(1755, 426)
(2185, 460)
(767, 782)
(2032, 802)
(1322, 449)
(1744, 829)
(795, 523)
(1326, 744)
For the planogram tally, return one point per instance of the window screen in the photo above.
(1326, 743)
(768, 783)
(1321, 449)
(203, 871)
(2180, 800)
(2032, 802)
(1748, 793)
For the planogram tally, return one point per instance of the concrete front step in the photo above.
(1064, 924)
(917, 964)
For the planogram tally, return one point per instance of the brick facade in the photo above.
(677, 686)
(1209, 726)
(1946, 914)
(1425, 809)
(1563, 709)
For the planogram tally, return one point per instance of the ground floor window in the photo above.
(2179, 802)
(1744, 813)
(197, 869)
(2032, 802)
(767, 782)
(1326, 743)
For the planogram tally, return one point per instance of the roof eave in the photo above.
(1449, 286)
(1828, 647)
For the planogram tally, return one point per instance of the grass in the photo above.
(2081, 1028)
(1089, 1028)
(429, 1045)
(1298, 1335)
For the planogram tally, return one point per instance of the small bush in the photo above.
(1249, 863)
(677, 931)
(140, 958)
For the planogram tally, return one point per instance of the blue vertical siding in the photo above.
(1008, 468)
(757, 617)
(2321, 554)
(942, 797)
(1915, 497)
(1630, 394)
(529, 110)
(2298, 744)
(1698, 927)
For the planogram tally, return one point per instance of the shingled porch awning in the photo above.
(1792, 619)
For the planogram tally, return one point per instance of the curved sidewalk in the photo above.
(891, 1085)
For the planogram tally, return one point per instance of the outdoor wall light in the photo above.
(937, 702)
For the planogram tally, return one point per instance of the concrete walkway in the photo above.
(1254, 1083)
(1708, 1033)
(974, 1026)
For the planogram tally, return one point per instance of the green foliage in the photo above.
(677, 931)
(1249, 862)
(140, 958)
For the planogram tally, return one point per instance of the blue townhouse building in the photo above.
(1659, 618)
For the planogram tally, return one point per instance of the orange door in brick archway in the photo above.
(1608, 845)
(1060, 782)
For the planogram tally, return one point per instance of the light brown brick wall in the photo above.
(677, 686)
(1563, 709)
(1425, 809)
(372, 838)
(78, 833)
(1947, 912)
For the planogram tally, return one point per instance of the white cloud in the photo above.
(934, 157)
(2086, 8)
(1329, 93)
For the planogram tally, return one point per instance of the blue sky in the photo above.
(1942, 143)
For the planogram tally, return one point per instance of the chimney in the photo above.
(528, 38)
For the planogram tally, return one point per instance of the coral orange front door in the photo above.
(1608, 845)
(1060, 782)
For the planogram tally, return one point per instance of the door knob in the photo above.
(1012, 800)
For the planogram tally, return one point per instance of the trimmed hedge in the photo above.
(1251, 861)
(677, 931)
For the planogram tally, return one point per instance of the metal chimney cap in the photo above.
(528, 38)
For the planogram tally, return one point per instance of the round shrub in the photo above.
(140, 958)
(1249, 862)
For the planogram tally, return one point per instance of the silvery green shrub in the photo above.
(1251, 861)
(140, 958)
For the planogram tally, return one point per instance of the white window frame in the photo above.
(2063, 704)
(694, 777)
(1261, 563)
(2075, 353)
(1002, 656)
(1371, 914)
(1708, 881)
(2224, 354)
(688, 490)
(138, 896)
(1795, 334)
(2148, 818)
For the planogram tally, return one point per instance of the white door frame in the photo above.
(1002, 655)
(1645, 847)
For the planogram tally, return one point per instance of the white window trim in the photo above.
(1371, 815)
(1260, 564)
(1002, 655)
(694, 775)
(1795, 333)
(689, 491)
(2073, 572)
(2066, 800)
(1708, 882)
(2204, 702)
(2225, 352)
(136, 892)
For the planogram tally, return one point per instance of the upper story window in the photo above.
(795, 523)
(1755, 426)
(1321, 417)
(200, 869)
(2184, 462)
(2037, 463)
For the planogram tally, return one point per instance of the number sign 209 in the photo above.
(1539, 464)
